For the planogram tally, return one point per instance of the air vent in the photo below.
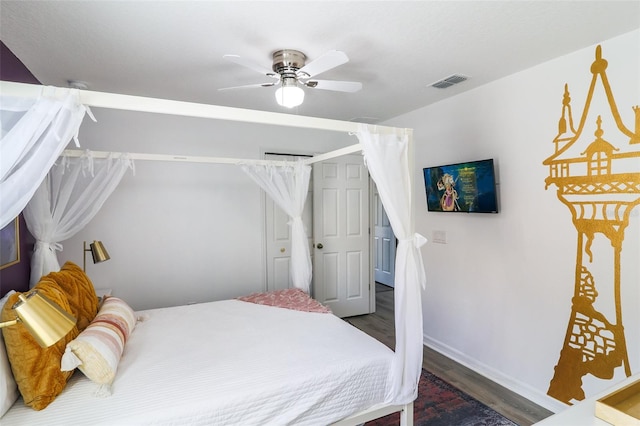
(449, 81)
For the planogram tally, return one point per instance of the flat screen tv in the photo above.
(462, 187)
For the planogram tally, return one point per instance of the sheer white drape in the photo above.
(387, 158)
(34, 133)
(288, 186)
(72, 193)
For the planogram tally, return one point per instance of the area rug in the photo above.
(440, 404)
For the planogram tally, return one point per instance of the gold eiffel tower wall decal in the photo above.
(596, 170)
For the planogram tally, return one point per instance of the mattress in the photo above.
(228, 363)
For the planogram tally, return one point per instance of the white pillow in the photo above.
(97, 350)
(8, 387)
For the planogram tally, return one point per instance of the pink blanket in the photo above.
(291, 298)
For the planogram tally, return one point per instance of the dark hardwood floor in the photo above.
(380, 325)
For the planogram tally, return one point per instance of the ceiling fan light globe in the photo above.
(289, 96)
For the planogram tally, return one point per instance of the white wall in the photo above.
(499, 292)
(179, 233)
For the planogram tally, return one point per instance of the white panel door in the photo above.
(278, 237)
(341, 235)
(384, 245)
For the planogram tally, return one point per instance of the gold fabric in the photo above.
(79, 291)
(36, 369)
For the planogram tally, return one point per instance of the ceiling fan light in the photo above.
(289, 96)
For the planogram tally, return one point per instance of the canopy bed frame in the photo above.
(406, 365)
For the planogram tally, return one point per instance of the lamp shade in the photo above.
(289, 95)
(45, 320)
(98, 252)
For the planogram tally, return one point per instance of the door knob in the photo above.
(319, 245)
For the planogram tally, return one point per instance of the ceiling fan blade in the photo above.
(250, 86)
(338, 86)
(329, 60)
(251, 65)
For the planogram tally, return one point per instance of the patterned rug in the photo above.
(440, 404)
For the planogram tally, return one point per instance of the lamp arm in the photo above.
(84, 255)
(9, 323)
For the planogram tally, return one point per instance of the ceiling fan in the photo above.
(290, 71)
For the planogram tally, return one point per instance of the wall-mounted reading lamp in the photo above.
(98, 252)
(44, 319)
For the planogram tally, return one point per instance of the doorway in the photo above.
(341, 229)
(384, 244)
(341, 211)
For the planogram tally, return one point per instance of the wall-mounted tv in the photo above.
(462, 187)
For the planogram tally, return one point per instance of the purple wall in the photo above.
(16, 277)
(12, 69)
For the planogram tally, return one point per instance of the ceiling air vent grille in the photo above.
(449, 81)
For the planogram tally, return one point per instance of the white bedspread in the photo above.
(229, 363)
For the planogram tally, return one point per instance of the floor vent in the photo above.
(449, 81)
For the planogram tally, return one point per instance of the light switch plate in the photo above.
(439, 237)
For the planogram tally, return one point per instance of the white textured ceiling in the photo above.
(174, 49)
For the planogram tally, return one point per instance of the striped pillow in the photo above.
(97, 350)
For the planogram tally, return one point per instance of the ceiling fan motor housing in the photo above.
(288, 61)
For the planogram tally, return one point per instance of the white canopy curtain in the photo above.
(387, 158)
(288, 186)
(72, 193)
(34, 133)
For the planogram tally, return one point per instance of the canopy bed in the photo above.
(391, 387)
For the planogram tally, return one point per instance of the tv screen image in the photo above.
(463, 187)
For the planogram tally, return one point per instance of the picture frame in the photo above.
(10, 244)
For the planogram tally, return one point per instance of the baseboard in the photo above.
(496, 376)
